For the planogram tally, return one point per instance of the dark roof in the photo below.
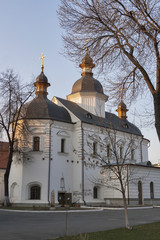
(122, 105)
(87, 84)
(42, 108)
(110, 120)
(4, 154)
(42, 78)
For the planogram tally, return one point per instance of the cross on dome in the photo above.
(42, 66)
(87, 40)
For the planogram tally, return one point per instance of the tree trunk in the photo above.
(6, 179)
(156, 97)
(125, 211)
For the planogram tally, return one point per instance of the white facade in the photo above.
(92, 102)
(58, 160)
(51, 163)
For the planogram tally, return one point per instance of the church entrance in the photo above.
(61, 198)
(140, 193)
(64, 198)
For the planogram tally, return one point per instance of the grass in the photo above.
(141, 232)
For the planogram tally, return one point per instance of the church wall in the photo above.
(145, 145)
(78, 163)
(15, 179)
(135, 174)
(100, 107)
(92, 174)
(90, 101)
(35, 172)
(62, 162)
(146, 175)
(52, 164)
(34, 165)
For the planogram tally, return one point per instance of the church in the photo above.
(62, 146)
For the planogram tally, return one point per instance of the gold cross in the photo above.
(42, 66)
(87, 40)
(121, 89)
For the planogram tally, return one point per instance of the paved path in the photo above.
(46, 225)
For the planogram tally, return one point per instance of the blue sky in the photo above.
(30, 27)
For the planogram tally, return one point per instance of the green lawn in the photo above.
(141, 232)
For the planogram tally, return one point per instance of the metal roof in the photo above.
(110, 121)
(87, 84)
(42, 108)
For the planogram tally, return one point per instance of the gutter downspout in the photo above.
(128, 185)
(49, 161)
(82, 164)
(141, 149)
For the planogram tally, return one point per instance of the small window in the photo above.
(95, 148)
(36, 143)
(108, 151)
(152, 190)
(89, 116)
(125, 125)
(121, 152)
(35, 192)
(63, 145)
(95, 192)
(132, 154)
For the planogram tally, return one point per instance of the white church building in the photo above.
(57, 155)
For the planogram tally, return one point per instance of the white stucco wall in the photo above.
(95, 133)
(90, 101)
(47, 166)
(15, 179)
(145, 175)
(145, 146)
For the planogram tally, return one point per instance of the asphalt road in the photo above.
(46, 225)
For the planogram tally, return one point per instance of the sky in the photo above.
(29, 28)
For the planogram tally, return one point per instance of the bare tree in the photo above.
(14, 95)
(113, 159)
(123, 35)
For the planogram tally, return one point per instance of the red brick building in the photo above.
(4, 153)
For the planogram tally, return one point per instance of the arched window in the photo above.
(152, 190)
(36, 143)
(35, 192)
(95, 192)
